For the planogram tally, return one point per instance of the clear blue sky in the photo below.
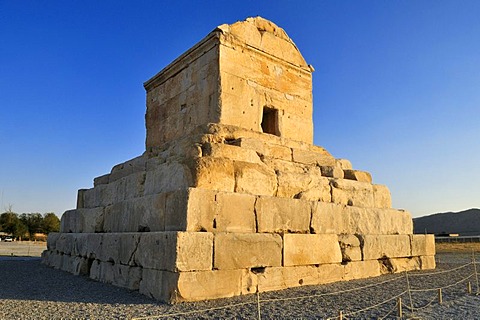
(396, 89)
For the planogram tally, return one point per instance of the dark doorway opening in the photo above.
(270, 121)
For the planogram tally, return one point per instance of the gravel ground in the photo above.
(30, 290)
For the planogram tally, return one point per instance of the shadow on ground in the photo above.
(27, 279)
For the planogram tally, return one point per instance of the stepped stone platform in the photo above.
(231, 196)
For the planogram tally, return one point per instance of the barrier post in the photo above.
(440, 301)
(475, 268)
(409, 293)
(340, 315)
(399, 308)
(258, 306)
(469, 287)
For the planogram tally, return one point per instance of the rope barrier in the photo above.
(344, 316)
(331, 293)
(389, 312)
(376, 305)
(448, 286)
(439, 272)
(193, 311)
(429, 303)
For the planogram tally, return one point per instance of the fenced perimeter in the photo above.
(402, 295)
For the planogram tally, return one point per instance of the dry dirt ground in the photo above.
(22, 248)
(458, 247)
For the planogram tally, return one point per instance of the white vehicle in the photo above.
(8, 239)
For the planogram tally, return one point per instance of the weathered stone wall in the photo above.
(184, 95)
(217, 207)
(163, 265)
(230, 77)
(261, 67)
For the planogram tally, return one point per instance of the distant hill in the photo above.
(465, 223)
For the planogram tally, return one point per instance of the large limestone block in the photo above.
(52, 240)
(175, 251)
(278, 278)
(154, 284)
(357, 175)
(277, 152)
(190, 286)
(311, 157)
(135, 185)
(423, 244)
(109, 248)
(101, 180)
(68, 221)
(102, 271)
(308, 249)
(427, 262)
(64, 243)
(214, 174)
(221, 150)
(362, 269)
(190, 210)
(344, 164)
(309, 185)
(198, 209)
(330, 218)
(124, 217)
(99, 196)
(352, 193)
(256, 179)
(395, 265)
(136, 215)
(201, 285)
(67, 263)
(169, 176)
(381, 196)
(342, 219)
(127, 247)
(55, 260)
(350, 247)
(127, 276)
(118, 248)
(90, 220)
(394, 221)
(282, 215)
(93, 245)
(335, 171)
(279, 165)
(235, 212)
(151, 213)
(80, 244)
(125, 169)
(247, 250)
(249, 281)
(385, 246)
(254, 144)
(80, 266)
(379, 221)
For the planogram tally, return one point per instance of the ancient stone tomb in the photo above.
(231, 197)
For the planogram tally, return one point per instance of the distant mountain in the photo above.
(465, 223)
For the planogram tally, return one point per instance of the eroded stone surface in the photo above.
(231, 197)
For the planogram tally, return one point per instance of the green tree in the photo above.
(51, 223)
(33, 222)
(8, 220)
(10, 223)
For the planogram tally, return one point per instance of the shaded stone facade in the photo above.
(231, 196)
